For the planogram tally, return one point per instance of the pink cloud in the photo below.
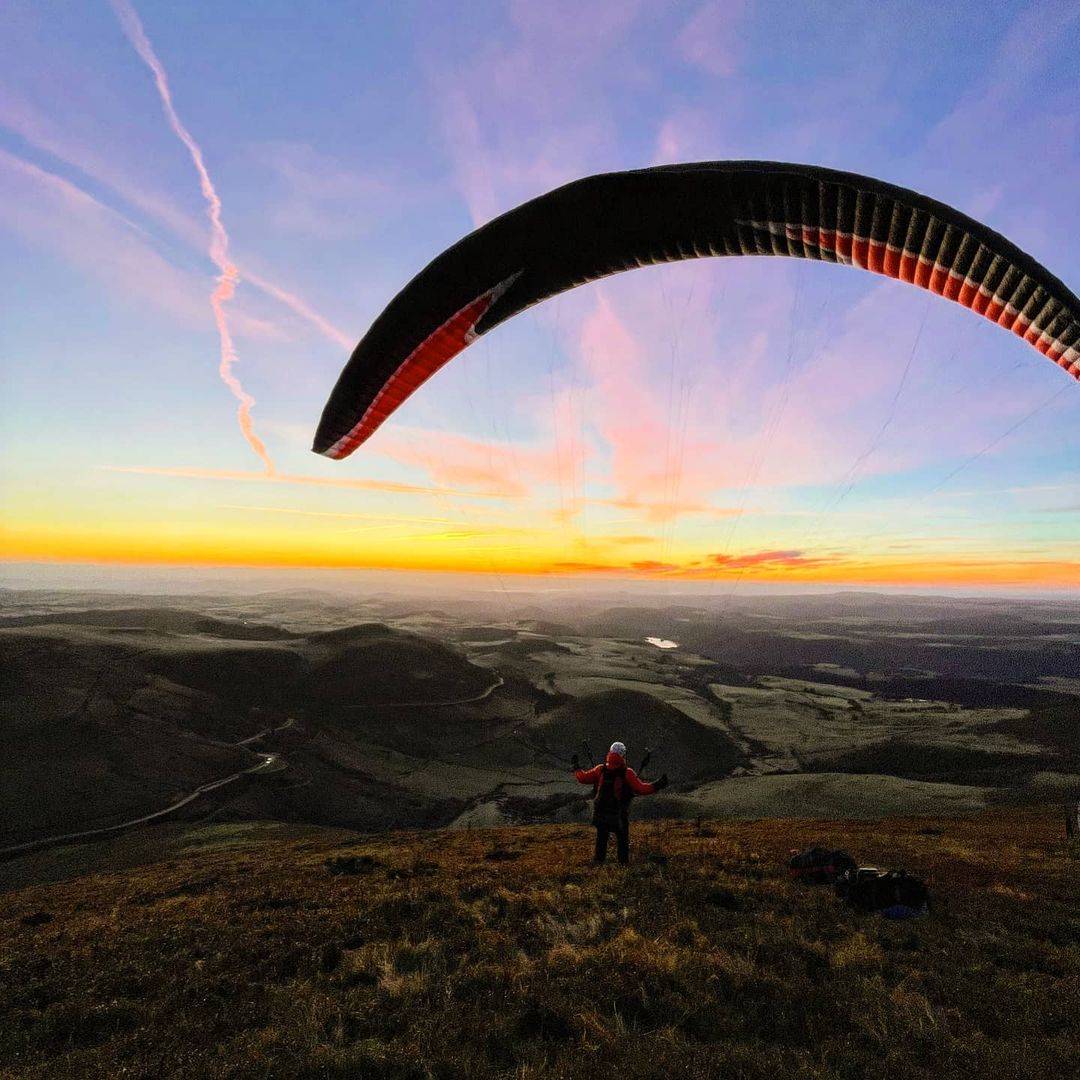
(664, 511)
(300, 307)
(510, 470)
(688, 134)
(709, 40)
(767, 559)
(511, 114)
(771, 392)
(678, 423)
(707, 568)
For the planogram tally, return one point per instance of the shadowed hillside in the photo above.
(110, 715)
(693, 752)
(367, 666)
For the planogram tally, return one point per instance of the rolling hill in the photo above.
(382, 713)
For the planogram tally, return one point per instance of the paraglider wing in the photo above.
(604, 224)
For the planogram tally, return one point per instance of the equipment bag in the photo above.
(820, 866)
(896, 894)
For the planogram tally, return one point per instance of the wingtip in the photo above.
(327, 444)
(323, 448)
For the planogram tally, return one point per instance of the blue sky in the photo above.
(800, 420)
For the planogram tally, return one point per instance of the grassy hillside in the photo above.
(269, 951)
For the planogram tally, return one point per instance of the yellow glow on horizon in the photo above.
(494, 549)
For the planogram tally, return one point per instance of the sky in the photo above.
(203, 206)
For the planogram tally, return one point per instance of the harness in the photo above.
(611, 797)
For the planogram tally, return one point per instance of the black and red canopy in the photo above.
(605, 224)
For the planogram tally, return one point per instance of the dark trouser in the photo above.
(621, 829)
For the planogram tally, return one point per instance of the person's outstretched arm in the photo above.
(644, 787)
(585, 776)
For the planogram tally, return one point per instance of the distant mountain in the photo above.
(687, 750)
(160, 620)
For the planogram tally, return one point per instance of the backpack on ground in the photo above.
(896, 894)
(820, 866)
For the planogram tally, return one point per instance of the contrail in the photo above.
(175, 223)
(219, 238)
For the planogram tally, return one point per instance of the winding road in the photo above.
(432, 704)
(268, 763)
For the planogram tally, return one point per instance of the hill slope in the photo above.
(109, 715)
(269, 951)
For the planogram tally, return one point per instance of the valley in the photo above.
(385, 712)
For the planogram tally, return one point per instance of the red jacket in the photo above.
(616, 761)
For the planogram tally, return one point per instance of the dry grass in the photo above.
(501, 953)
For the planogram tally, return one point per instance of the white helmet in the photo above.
(618, 748)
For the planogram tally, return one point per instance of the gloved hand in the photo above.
(575, 763)
(659, 785)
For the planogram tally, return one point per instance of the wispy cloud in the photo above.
(661, 511)
(711, 566)
(385, 518)
(315, 194)
(514, 470)
(653, 566)
(709, 40)
(52, 213)
(511, 112)
(301, 307)
(241, 476)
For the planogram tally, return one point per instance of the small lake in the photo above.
(662, 643)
